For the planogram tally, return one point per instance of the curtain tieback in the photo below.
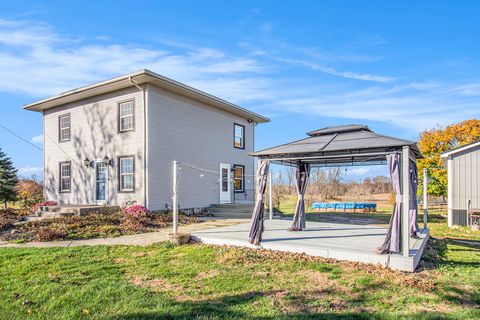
(260, 196)
(399, 198)
(301, 197)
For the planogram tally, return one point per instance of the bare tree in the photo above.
(290, 172)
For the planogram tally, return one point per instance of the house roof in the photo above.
(141, 77)
(346, 143)
(465, 147)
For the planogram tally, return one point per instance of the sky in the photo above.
(398, 66)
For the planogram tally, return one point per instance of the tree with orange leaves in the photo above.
(435, 141)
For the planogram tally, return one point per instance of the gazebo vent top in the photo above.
(338, 144)
(338, 129)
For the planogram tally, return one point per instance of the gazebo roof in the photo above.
(346, 144)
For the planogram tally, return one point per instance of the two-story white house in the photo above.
(115, 141)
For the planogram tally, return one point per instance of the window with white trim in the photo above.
(239, 178)
(126, 174)
(126, 120)
(64, 128)
(239, 136)
(65, 176)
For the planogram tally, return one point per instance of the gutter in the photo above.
(145, 144)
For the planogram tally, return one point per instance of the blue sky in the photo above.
(399, 67)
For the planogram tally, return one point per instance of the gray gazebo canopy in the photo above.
(347, 145)
(337, 146)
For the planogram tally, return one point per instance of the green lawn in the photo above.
(208, 282)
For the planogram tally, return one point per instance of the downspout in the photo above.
(145, 142)
(44, 163)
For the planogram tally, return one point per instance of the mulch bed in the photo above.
(81, 227)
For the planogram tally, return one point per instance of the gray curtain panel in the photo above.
(413, 208)
(256, 227)
(301, 175)
(392, 240)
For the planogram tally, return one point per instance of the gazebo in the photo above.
(346, 145)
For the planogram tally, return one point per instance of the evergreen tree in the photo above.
(8, 179)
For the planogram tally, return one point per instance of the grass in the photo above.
(207, 282)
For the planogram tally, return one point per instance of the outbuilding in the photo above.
(463, 170)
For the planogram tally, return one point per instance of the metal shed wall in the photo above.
(465, 183)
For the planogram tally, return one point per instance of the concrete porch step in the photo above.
(233, 205)
(80, 210)
(232, 210)
(242, 215)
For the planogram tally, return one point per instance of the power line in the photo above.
(19, 137)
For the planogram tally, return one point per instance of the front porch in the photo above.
(74, 209)
(350, 242)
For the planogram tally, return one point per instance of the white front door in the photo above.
(101, 182)
(225, 183)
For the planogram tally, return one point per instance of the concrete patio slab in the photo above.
(329, 240)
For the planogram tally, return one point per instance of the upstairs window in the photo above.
(126, 174)
(65, 176)
(239, 178)
(239, 136)
(64, 128)
(126, 116)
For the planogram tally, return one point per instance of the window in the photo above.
(224, 180)
(65, 176)
(126, 170)
(239, 136)
(126, 116)
(64, 128)
(239, 178)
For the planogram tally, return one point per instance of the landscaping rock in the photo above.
(179, 238)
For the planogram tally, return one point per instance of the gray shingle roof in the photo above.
(339, 140)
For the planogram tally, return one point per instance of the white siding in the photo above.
(94, 134)
(194, 133)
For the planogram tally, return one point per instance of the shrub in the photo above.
(43, 204)
(7, 218)
(136, 217)
(29, 192)
(49, 234)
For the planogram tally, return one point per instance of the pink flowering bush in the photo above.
(44, 204)
(136, 217)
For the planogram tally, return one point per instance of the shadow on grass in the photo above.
(435, 257)
(225, 308)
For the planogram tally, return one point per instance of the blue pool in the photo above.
(370, 206)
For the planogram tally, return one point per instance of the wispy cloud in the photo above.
(36, 60)
(38, 139)
(27, 171)
(407, 106)
(343, 74)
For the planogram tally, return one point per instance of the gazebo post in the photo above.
(405, 223)
(270, 204)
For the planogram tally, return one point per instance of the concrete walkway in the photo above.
(141, 239)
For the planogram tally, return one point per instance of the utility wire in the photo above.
(19, 137)
(207, 170)
(202, 170)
